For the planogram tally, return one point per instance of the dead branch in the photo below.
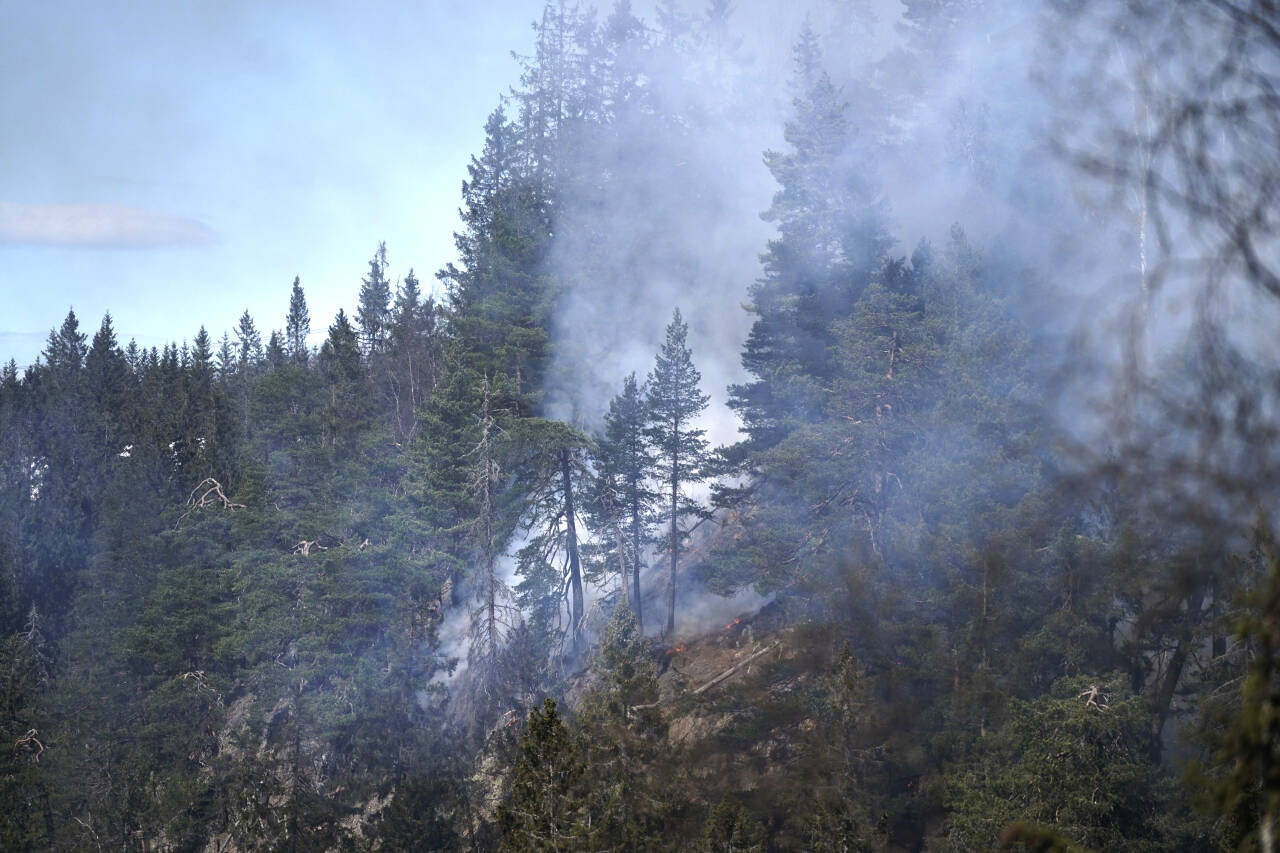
(210, 491)
(719, 678)
(30, 738)
(305, 547)
(1097, 698)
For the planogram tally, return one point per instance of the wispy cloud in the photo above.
(104, 226)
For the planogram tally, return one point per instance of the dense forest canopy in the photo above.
(607, 538)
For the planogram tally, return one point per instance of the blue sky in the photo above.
(178, 162)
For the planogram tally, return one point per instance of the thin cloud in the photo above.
(102, 226)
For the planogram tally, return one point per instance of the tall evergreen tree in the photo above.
(275, 354)
(110, 384)
(248, 344)
(499, 294)
(339, 363)
(553, 473)
(674, 402)
(623, 501)
(374, 312)
(297, 324)
(832, 236)
(546, 806)
(414, 348)
(491, 614)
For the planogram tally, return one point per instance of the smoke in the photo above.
(953, 124)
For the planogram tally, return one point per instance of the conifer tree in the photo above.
(674, 402)
(339, 362)
(110, 383)
(297, 325)
(831, 237)
(553, 473)
(545, 809)
(249, 358)
(730, 828)
(499, 293)
(65, 349)
(374, 312)
(275, 354)
(248, 344)
(414, 351)
(491, 613)
(623, 500)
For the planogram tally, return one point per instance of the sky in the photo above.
(179, 163)
(176, 163)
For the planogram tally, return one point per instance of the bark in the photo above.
(675, 548)
(637, 601)
(571, 546)
(1177, 662)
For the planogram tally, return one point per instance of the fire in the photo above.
(733, 623)
(675, 650)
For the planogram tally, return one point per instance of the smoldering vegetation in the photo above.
(846, 426)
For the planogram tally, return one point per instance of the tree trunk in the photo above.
(571, 545)
(635, 565)
(1177, 662)
(675, 549)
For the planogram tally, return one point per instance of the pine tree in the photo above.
(275, 354)
(491, 615)
(499, 294)
(65, 349)
(674, 403)
(248, 344)
(831, 238)
(226, 359)
(110, 384)
(339, 363)
(730, 828)
(623, 501)
(414, 355)
(249, 358)
(545, 808)
(553, 471)
(374, 312)
(297, 325)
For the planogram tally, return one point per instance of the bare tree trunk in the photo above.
(635, 565)
(571, 545)
(675, 549)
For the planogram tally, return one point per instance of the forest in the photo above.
(947, 526)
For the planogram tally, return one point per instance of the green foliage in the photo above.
(674, 401)
(623, 502)
(1081, 759)
(730, 828)
(545, 808)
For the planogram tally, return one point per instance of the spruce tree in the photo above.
(832, 236)
(546, 806)
(414, 356)
(339, 362)
(248, 344)
(623, 501)
(110, 384)
(674, 402)
(275, 354)
(553, 473)
(297, 324)
(374, 312)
